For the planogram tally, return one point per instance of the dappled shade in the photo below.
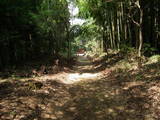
(79, 60)
(109, 94)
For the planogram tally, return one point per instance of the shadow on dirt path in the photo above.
(100, 65)
(85, 94)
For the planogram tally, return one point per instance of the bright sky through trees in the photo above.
(74, 11)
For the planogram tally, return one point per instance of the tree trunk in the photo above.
(140, 33)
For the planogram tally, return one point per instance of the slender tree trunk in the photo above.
(140, 33)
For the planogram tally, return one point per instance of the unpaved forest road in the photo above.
(82, 71)
(85, 94)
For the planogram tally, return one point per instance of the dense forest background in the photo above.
(31, 29)
(106, 67)
(124, 24)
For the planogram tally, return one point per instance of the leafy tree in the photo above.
(124, 22)
(32, 29)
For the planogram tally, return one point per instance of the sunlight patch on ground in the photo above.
(77, 77)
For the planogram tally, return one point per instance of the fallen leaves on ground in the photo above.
(91, 91)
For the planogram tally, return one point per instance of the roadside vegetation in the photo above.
(107, 68)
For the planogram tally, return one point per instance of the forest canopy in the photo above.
(31, 29)
(125, 23)
(80, 60)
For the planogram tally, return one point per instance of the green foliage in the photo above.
(154, 59)
(31, 29)
(126, 49)
(88, 37)
(119, 22)
(149, 50)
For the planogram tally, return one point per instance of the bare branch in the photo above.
(134, 6)
(135, 22)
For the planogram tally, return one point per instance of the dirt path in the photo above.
(81, 73)
(84, 94)
(21, 99)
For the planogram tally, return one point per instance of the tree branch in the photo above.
(135, 22)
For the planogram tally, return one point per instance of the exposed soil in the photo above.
(92, 90)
